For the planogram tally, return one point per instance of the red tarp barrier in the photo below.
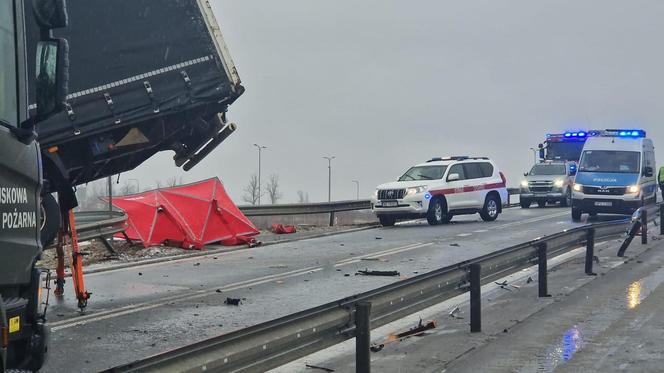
(189, 216)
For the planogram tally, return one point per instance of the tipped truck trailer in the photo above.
(23, 337)
(145, 76)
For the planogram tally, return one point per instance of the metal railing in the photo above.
(320, 208)
(94, 224)
(274, 343)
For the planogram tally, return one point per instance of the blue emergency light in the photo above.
(580, 134)
(628, 133)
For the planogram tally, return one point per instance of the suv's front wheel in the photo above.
(490, 210)
(437, 213)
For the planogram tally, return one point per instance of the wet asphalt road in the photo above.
(140, 311)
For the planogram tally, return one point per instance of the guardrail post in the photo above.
(332, 219)
(590, 251)
(542, 271)
(644, 227)
(362, 337)
(661, 219)
(475, 298)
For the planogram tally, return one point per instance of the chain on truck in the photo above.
(23, 286)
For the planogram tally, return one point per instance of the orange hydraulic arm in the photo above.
(67, 236)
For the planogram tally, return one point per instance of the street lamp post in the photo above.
(357, 183)
(329, 185)
(260, 149)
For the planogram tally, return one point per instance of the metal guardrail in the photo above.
(305, 208)
(94, 224)
(274, 343)
(319, 208)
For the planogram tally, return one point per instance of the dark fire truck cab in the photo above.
(23, 336)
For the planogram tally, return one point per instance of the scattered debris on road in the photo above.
(455, 313)
(283, 229)
(309, 366)
(529, 280)
(504, 284)
(367, 272)
(279, 266)
(455, 245)
(233, 301)
(379, 238)
(416, 331)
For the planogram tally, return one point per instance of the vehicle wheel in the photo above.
(50, 219)
(490, 210)
(387, 221)
(541, 204)
(567, 201)
(576, 214)
(447, 218)
(437, 212)
(525, 203)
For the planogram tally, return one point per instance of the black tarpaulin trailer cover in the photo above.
(145, 76)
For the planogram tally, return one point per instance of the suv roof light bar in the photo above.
(455, 158)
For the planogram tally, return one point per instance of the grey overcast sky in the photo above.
(384, 84)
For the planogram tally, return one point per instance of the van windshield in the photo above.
(547, 169)
(610, 161)
(424, 173)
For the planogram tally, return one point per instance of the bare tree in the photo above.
(273, 189)
(302, 197)
(127, 188)
(252, 190)
(174, 181)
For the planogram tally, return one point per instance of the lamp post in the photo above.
(357, 183)
(329, 185)
(260, 149)
(329, 177)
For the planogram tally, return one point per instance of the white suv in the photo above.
(442, 188)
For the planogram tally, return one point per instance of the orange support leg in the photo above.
(77, 265)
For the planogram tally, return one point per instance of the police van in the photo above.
(615, 174)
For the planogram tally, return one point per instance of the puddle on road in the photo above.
(572, 339)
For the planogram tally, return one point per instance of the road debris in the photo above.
(529, 280)
(233, 301)
(416, 331)
(279, 266)
(504, 284)
(455, 245)
(197, 264)
(309, 366)
(379, 238)
(367, 272)
(455, 313)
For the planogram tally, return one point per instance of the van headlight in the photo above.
(559, 183)
(415, 190)
(375, 194)
(524, 184)
(633, 189)
(577, 187)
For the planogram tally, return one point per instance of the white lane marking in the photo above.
(464, 234)
(133, 308)
(177, 298)
(374, 254)
(386, 253)
(527, 221)
(481, 231)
